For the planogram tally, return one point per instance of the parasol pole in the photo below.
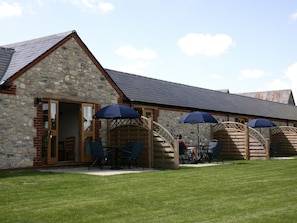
(198, 144)
(117, 132)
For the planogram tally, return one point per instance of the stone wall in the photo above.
(67, 73)
(17, 131)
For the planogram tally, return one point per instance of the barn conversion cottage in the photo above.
(50, 87)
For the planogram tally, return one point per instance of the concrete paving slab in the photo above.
(205, 164)
(97, 171)
(283, 158)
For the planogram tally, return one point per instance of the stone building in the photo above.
(167, 102)
(47, 81)
(50, 88)
(281, 96)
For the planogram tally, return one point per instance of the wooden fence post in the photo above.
(267, 148)
(176, 152)
(150, 143)
(247, 142)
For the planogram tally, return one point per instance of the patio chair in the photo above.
(127, 149)
(275, 150)
(133, 153)
(214, 151)
(99, 154)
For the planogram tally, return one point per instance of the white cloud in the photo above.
(294, 16)
(287, 81)
(256, 73)
(141, 58)
(204, 44)
(93, 5)
(277, 84)
(216, 77)
(135, 68)
(8, 10)
(291, 74)
(105, 6)
(132, 53)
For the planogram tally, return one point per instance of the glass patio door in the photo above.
(87, 131)
(50, 110)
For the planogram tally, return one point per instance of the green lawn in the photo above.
(247, 191)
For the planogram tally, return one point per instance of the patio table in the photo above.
(116, 150)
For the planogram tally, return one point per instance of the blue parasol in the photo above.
(198, 117)
(261, 123)
(117, 111)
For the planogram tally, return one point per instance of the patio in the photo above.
(108, 172)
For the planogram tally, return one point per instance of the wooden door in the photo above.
(87, 131)
(50, 131)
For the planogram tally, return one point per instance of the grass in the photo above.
(248, 191)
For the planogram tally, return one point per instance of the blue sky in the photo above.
(240, 45)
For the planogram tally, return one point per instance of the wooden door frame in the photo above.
(86, 134)
(52, 132)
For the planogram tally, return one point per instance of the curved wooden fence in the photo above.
(287, 136)
(160, 148)
(239, 141)
(242, 142)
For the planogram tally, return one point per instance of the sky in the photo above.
(239, 45)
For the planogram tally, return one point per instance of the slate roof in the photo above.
(148, 90)
(5, 58)
(28, 51)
